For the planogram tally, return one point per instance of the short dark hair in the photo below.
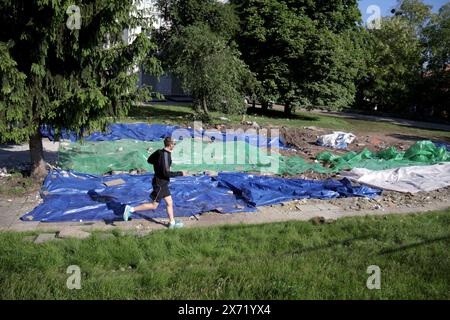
(168, 141)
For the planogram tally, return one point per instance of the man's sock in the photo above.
(132, 210)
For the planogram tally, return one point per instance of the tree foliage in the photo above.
(198, 46)
(67, 77)
(409, 62)
(211, 70)
(220, 17)
(304, 52)
(395, 65)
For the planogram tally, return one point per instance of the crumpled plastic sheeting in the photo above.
(443, 144)
(50, 133)
(263, 190)
(156, 132)
(117, 131)
(409, 179)
(72, 196)
(421, 153)
(336, 140)
(124, 155)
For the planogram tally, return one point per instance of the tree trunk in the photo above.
(288, 109)
(204, 105)
(198, 107)
(38, 168)
(265, 106)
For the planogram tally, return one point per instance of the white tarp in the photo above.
(407, 179)
(336, 140)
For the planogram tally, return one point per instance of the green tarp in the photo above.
(197, 156)
(421, 153)
(190, 155)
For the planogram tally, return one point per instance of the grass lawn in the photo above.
(182, 115)
(296, 260)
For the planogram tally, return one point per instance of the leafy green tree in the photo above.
(198, 46)
(60, 72)
(334, 64)
(435, 85)
(408, 59)
(305, 53)
(416, 12)
(437, 34)
(210, 69)
(220, 17)
(395, 66)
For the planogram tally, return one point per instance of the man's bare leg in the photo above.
(143, 207)
(172, 224)
(146, 207)
(169, 206)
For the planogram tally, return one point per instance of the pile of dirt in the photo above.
(304, 142)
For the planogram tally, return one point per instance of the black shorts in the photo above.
(160, 190)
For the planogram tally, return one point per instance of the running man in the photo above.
(161, 161)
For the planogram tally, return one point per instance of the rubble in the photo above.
(4, 173)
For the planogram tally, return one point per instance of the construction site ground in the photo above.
(18, 196)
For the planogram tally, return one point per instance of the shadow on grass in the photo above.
(276, 114)
(407, 137)
(405, 123)
(413, 245)
(330, 244)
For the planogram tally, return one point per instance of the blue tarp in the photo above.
(263, 190)
(156, 132)
(72, 196)
(118, 131)
(443, 144)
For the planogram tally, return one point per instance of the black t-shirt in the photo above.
(161, 161)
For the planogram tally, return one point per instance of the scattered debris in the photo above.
(253, 124)
(4, 173)
(195, 216)
(211, 173)
(313, 128)
(114, 183)
(336, 140)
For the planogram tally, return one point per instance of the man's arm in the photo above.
(152, 159)
(166, 168)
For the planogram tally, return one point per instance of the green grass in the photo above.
(183, 115)
(295, 260)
